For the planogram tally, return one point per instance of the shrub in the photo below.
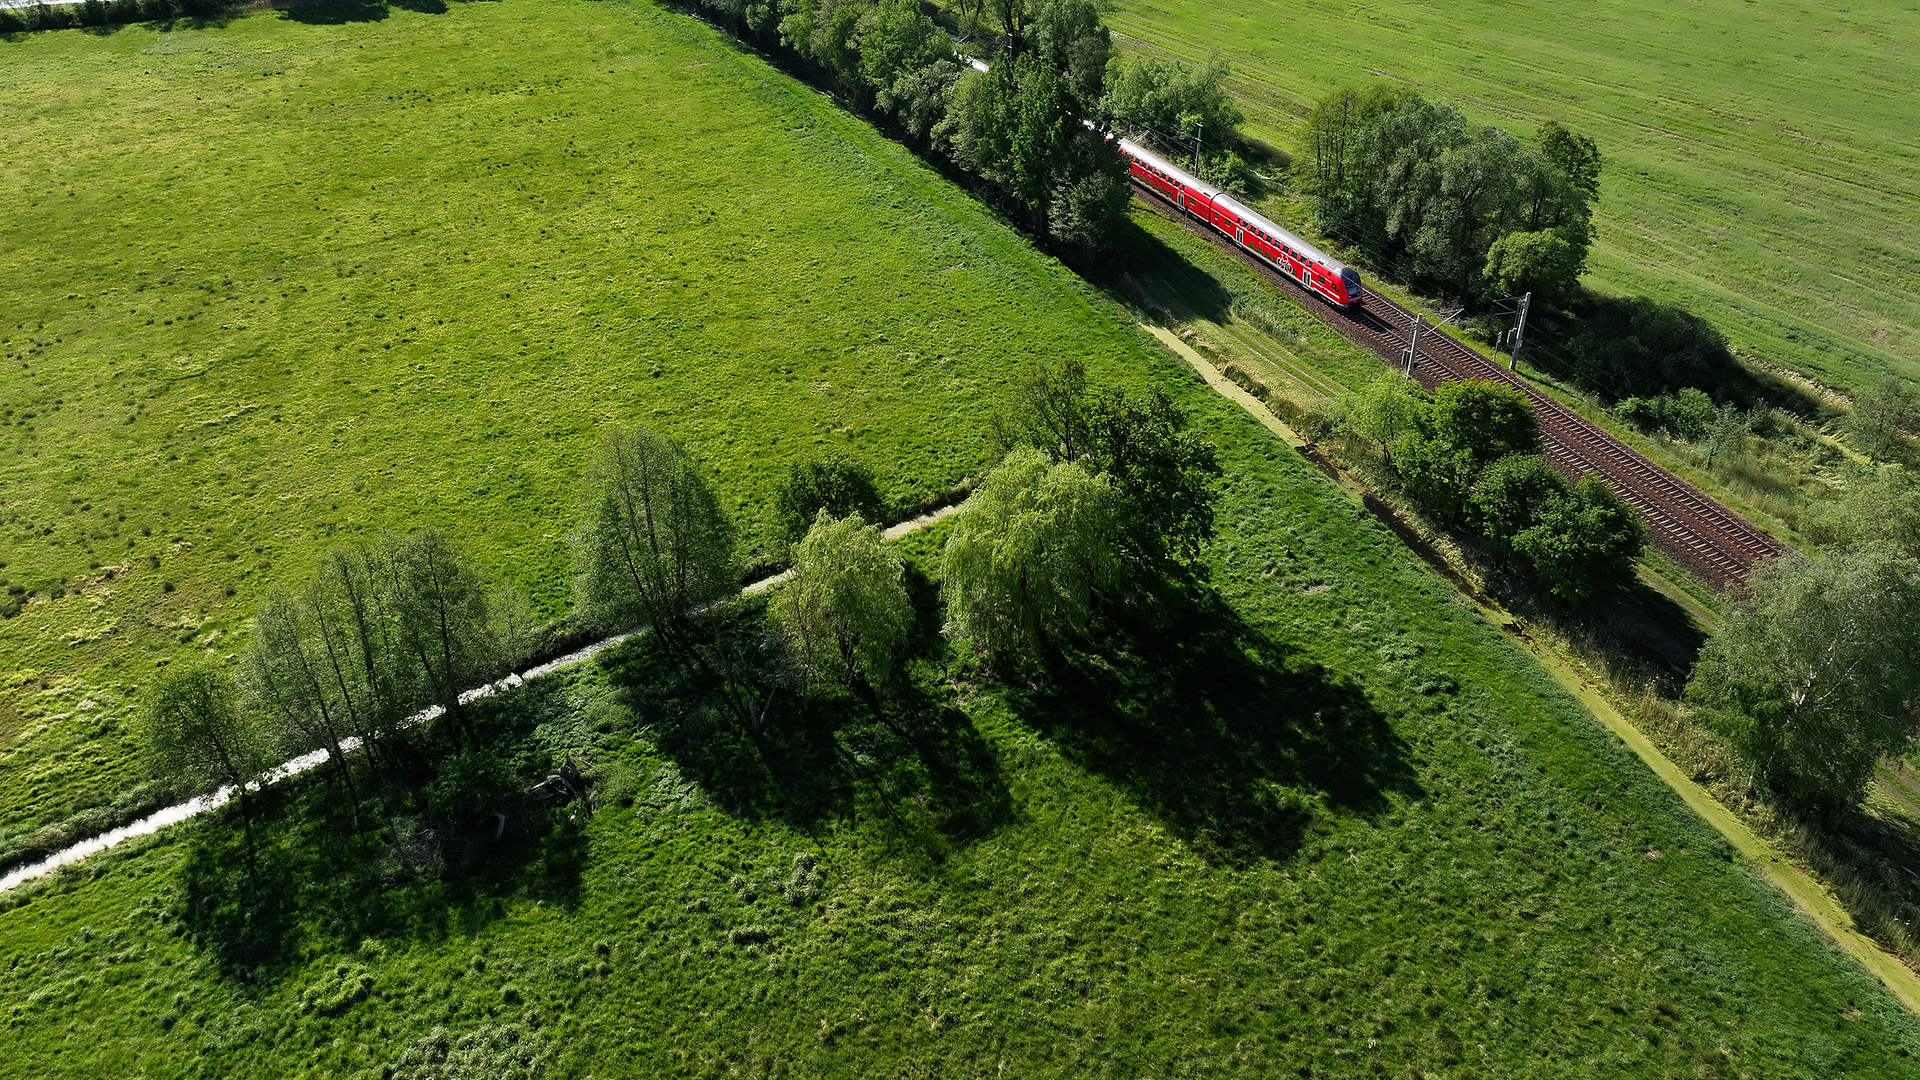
(1513, 493)
(837, 486)
(1585, 542)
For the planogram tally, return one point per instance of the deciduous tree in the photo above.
(1812, 679)
(1028, 552)
(846, 611)
(655, 545)
(1585, 542)
(194, 732)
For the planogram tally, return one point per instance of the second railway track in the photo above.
(1685, 523)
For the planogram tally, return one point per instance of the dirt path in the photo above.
(1806, 893)
(172, 815)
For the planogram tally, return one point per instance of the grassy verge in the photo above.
(1759, 169)
(312, 274)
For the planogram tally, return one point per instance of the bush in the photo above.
(837, 486)
(1585, 542)
(1513, 493)
(1683, 415)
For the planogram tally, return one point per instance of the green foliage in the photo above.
(1684, 414)
(1584, 543)
(1514, 493)
(1881, 414)
(1029, 550)
(1484, 419)
(1542, 263)
(336, 990)
(1442, 445)
(1445, 202)
(1726, 436)
(655, 544)
(846, 611)
(1167, 99)
(380, 632)
(837, 486)
(469, 784)
(1018, 125)
(487, 1052)
(195, 734)
(1812, 678)
(1880, 505)
(1163, 473)
(909, 62)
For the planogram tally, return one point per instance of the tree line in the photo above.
(1468, 454)
(1099, 489)
(1463, 208)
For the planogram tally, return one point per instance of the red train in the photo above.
(1285, 252)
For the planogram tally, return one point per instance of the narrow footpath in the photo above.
(179, 812)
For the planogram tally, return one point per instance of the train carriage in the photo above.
(1336, 282)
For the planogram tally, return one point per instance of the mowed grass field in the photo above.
(1339, 827)
(279, 285)
(1762, 160)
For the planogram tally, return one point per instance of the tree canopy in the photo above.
(1163, 472)
(655, 544)
(1448, 203)
(1028, 552)
(846, 612)
(1812, 679)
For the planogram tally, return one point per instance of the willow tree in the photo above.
(846, 611)
(1029, 552)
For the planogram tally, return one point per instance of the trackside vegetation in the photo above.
(1757, 159)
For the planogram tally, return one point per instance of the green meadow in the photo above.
(280, 284)
(289, 281)
(1326, 821)
(1763, 160)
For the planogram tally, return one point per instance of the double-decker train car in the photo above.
(1332, 279)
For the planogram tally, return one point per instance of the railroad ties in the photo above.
(1686, 524)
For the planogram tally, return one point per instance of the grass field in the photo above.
(1325, 821)
(1763, 161)
(1330, 832)
(284, 283)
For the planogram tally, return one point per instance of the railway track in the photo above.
(1685, 523)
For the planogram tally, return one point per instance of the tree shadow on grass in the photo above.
(1218, 730)
(335, 12)
(1147, 275)
(394, 869)
(904, 758)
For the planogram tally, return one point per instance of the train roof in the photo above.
(1259, 221)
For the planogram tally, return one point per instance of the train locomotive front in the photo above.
(1331, 279)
